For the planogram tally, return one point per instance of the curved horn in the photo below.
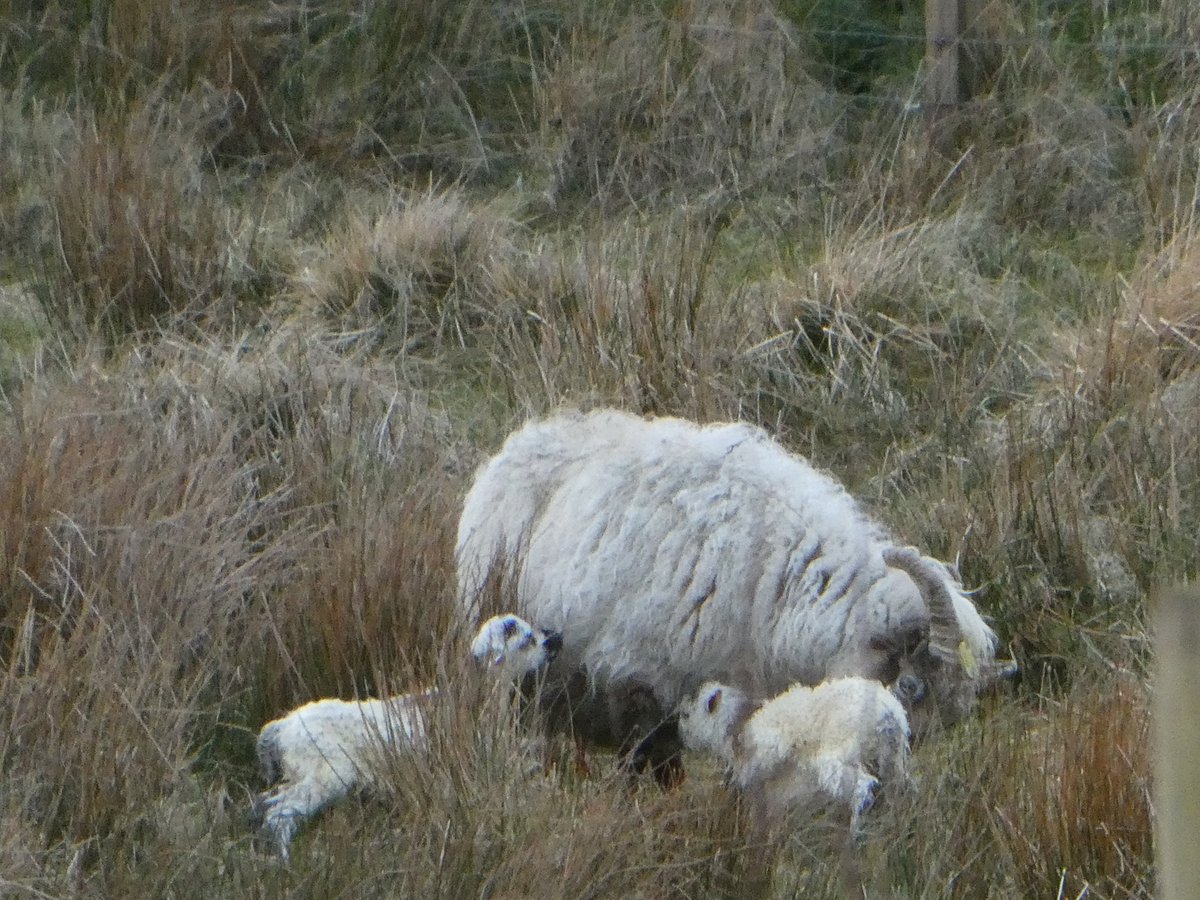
(945, 635)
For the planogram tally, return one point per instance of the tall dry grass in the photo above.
(418, 272)
(711, 96)
(171, 527)
(142, 236)
(1050, 801)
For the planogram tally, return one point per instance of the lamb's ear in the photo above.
(714, 701)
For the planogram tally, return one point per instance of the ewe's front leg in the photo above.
(647, 737)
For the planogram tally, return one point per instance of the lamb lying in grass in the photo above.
(825, 747)
(323, 750)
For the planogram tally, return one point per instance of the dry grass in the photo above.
(712, 96)
(142, 236)
(1050, 801)
(635, 317)
(422, 272)
(300, 270)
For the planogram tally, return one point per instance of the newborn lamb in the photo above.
(829, 746)
(320, 752)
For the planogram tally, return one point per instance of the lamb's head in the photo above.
(944, 675)
(710, 719)
(512, 648)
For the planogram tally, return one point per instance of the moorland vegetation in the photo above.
(274, 279)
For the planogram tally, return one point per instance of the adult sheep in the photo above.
(670, 553)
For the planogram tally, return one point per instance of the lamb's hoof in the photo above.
(864, 797)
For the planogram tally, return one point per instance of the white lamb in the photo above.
(322, 751)
(671, 553)
(810, 748)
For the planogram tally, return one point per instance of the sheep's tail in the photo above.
(270, 753)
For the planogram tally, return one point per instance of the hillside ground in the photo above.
(275, 278)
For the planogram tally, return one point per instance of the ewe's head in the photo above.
(943, 676)
(909, 690)
(710, 719)
(512, 648)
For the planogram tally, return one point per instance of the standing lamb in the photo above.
(320, 752)
(829, 746)
(671, 553)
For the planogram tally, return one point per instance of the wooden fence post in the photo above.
(1177, 743)
(941, 66)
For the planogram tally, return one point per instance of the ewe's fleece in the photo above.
(832, 745)
(322, 751)
(670, 553)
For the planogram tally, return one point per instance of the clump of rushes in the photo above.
(421, 271)
(140, 230)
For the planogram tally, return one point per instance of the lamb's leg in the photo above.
(285, 808)
(853, 885)
(763, 821)
(851, 789)
(862, 798)
(891, 757)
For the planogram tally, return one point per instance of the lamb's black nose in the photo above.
(553, 644)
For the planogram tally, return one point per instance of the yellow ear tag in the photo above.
(967, 660)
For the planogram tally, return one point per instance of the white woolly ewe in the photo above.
(809, 748)
(324, 750)
(669, 553)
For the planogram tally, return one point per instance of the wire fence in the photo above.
(1109, 45)
(911, 100)
(1020, 42)
(1112, 43)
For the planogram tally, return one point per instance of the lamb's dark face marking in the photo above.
(714, 702)
(511, 644)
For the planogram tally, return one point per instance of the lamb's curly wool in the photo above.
(669, 553)
(320, 752)
(808, 748)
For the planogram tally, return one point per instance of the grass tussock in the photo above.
(633, 317)
(712, 96)
(1089, 801)
(424, 271)
(1053, 801)
(274, 280)
(141, 234)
